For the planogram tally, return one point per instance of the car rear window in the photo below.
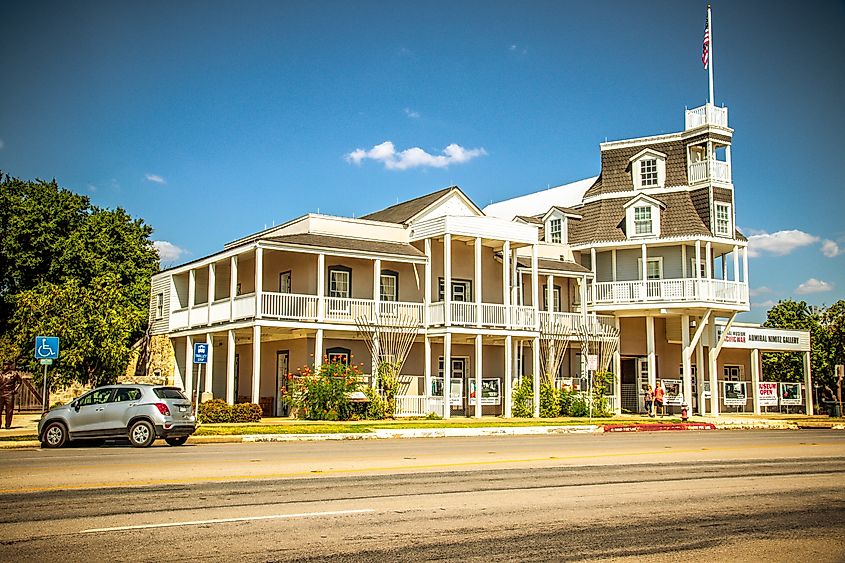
(169, 393)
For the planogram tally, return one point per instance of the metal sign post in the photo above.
(840, 374)
(201, 358)
(46, 350)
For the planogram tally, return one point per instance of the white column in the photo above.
(808, 384)
(508, 390)
(230, 367)
(709, 255)
(617, 371)
(318, 349)
(374, 360)
(736, 263)
(192, 293)
(447, 375)
(506, 281)
(377, 283)
(208, 386)
(712, 370)
(427, 296)
(755, 379)
(178, 373)
(724, 267)
(189, 366)
(686, 363)
(697, 259)
(613, 264)
(447, 282)
(536, 357)
(535, 281)
(256, 363)
(212, 281)
(684, 260)
(593, 260)
(233, 285)
(652, 355)
(259, 280)
(745, 264)
(478, 368)
(321, 290)
(700, 370)
(427, 365)
(644, 272)
(477, 284)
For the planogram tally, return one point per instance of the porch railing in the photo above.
(289, 306)
(708, 114)
(418, 405)
(669, 290)
(709, 171)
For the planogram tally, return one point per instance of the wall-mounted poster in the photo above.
(767, 394)
(456, 397)
(735, 393)
(674, 391)
(790, 394)
(706, 390)
(490, 394)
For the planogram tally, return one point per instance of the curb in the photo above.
(658, 427)
(386, 434)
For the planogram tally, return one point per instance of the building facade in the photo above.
(639, 271)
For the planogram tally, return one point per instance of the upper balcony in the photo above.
(709, 171)
(667, 293)
(708, 114)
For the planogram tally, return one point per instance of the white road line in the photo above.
(225, 520)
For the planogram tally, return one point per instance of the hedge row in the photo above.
(218, 410)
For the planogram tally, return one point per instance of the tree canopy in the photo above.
(72, 270)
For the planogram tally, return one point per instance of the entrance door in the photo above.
(282, 364)
(630, 386)
(457, 383)
(642, 382)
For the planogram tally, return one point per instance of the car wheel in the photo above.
(141, 434)
(176, 440)
(55, 435)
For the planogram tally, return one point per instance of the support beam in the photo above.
(736, 263)
(233, 284)
(686, 364)
(321, 289)
(212, 282)
(808, 384)
(683, 260)
(709, 257)
(697, 259)
(593, 260)
(509, 355)
(374, 359)
(230, 367)
(208, 386)
(478, 369)
(447, 281)
(714, 358)
(178, 373)
(259, 280)
(550, 294)
(700, 371)
(477, 282)
(447, 375)
(536, 365)
(256, 364)
(189, 366)
(192, 292)
(745, 264)
(613, 264)
(617, 371)
(427, 364)
(755, 379)
(506, 281)
(535, 282)
(318, 349)
(427, 298)
(651, 351)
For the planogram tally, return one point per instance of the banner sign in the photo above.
(705, 391)
(456, 386)
(490, 394)
(790, 394)
(674, 392)
(777, 339)
(735, 394)
(767, 394)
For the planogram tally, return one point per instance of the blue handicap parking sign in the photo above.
(200, 353)
(46, 347)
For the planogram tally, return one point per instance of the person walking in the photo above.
(649, 400)
(10, 382)
(659, 396)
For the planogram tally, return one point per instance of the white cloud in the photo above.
(831, 249)
(167, 251)
(412, 113)
(155, 178)
(767, 304)
(414, 157)
(779, 243)
(763, 290)
(813, 285)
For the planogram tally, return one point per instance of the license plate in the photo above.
(183, 409)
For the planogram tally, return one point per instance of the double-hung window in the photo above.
(159, 305)
(340, 281)
(642, 220)
(648, 172)
(723, 220)
(555, 231)
(461, 290)
(389, 286)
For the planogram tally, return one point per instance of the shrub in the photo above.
(218, 410)
(433, 416)
(549, 401)
(376, 409)
(523, 398)
(324, 395)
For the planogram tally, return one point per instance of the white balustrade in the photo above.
(707, 114)
(199, 315)
(243, 306)
(289, 306)
(709, 171)
(179, 319)
(463, 313)
(523, 317)
(346, 309)
(220, 311)
(670, 290)
(399, 311)
(437, 313)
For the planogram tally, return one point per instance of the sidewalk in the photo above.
(25, 427)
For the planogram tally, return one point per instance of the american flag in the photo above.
(705, 47)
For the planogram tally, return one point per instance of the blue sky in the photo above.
(213, 119)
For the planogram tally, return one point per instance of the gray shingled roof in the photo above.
(402, 212)
(559, 265)
(346, 243)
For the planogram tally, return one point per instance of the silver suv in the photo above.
(141, 413)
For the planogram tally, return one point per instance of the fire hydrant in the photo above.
(684, 412)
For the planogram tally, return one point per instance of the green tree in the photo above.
(789, 366)
(70, 269)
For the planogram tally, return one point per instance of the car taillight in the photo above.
(162, 408)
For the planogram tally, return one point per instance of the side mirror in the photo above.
(75, 405)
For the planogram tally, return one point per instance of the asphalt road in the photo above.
(716, 496)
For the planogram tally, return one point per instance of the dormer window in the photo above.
(643, 224)
(648, 169)
(648, 172)
(555, 231)
(642, 217)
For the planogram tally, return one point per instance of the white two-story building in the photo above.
(644, 258)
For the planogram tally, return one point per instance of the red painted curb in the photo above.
(658, 427)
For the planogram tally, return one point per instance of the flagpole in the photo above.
(710, 53)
